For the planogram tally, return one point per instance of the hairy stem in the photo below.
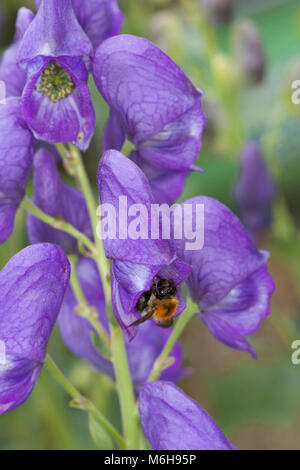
(81, 175)
(84, 309)
(125, 388)
(58, 224)
(82, 402)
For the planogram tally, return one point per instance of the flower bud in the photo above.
(219, 10)
(249, 51)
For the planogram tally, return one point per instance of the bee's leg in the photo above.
(142, 319)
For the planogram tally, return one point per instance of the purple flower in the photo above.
(32, 287)
(56, 99)
(255, 190)
(100, 19)
(57, 199)
(77, 333)
(155, 106)
(12, 75)
(16, 148)
(229, 279)
(137, 257)
(173, 421)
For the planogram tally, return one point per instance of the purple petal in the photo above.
(75, 330)
(178, 144)
(166, 185)
(15, 163)
(227, 258)
(17, 380)
(57, 199)
(70, 119)
(100, 19)
(240, 313)
(113, 134)
(12, 75)
(173, 421)
(143, 85)
(156, 105)
(255, 206)
(118, 176)
(32, 286)
(54, 32)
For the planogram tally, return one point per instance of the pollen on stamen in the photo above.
(55, 82)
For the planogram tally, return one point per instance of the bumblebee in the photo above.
(160, 302)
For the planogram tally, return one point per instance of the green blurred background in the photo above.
(256, 403)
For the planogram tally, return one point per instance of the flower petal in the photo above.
(12, 75)
(15, 163)
(113, 134)
(70, 119)
(240, 313)
(166, 185)
(17, 380)
(119, 177)
(32, 286)
(227, 258)
(173, 421)
(54, 32)
(58, 199)
(178, 144)
(100, 19)
(142, 84)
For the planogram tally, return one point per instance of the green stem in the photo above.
(83, 402)
(125, 388)
(81, 175)
(58, 224)
(182, 321)
(84, 309)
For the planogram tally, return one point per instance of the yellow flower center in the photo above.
(55, 82)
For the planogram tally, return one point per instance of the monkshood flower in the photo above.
(173, 421)
(229, 279)
(56, 99)
(137, 258)
(155, 106)
(77, 333)
(57, 199)
(32, 286)
(16, 150)
(12, 75)
(100, 19)
(255, 190)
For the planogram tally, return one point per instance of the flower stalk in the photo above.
(79, 401)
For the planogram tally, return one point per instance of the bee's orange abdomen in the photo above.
(165, 308)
